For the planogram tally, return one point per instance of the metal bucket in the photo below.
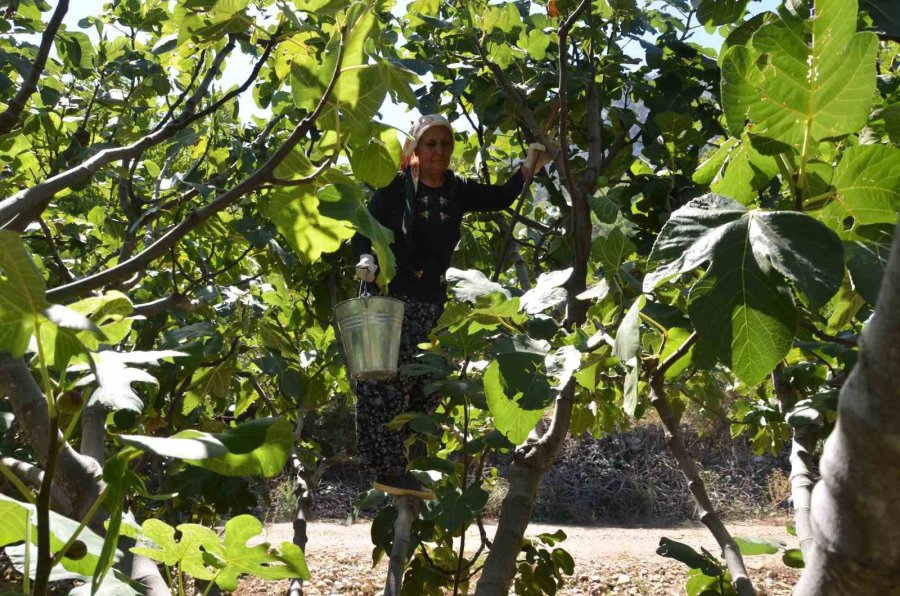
(370, 333)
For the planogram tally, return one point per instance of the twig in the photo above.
(63, 271)
(675, 442)
(198, 216)
(10, 117)
(262, 392)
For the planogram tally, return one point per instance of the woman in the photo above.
(423, 206)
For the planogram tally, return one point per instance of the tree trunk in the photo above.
(856, 540)
(93, 432)
(707, 513)
(78, 476)
(407, 511)
(529, 465)
(803, 444)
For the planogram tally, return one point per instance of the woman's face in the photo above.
(434, 150)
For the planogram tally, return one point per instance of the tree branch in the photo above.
(79, 477)
(803, 443)
(10, 117)
(195, 218)
(709, 517)
(28, 203)
(676, 355)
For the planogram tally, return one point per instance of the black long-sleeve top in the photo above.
(424, 251)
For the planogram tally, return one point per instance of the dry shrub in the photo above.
(631, 478)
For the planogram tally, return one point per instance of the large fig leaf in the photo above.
(866, 189)
(114, 377)
(741, 306)
(260, 446)
(800, 81)
(517, 393)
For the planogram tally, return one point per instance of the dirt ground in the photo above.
(607, 560)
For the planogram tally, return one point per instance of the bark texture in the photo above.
(856, 538)
(78, 476)
(525, 474)
(407, 511)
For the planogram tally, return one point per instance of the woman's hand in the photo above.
(366, 268)
(536, 159)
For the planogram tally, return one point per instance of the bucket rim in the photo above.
(368, 298)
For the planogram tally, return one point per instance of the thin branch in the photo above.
(262, 392)
(10, 117)
(194, 74)
(26, 204)
(709, 517)
(306, 179)
(519, 100)
(61, 268)
(562, 160)
(850, 342)
(173, 301)
(676, 355)
(195, 218)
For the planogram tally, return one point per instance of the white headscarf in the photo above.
(419, 128)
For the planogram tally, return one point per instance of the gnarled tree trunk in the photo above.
(856, 539)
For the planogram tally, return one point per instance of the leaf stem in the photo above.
(45, 562)
(788, 175)
(20, 486)
(81, 526)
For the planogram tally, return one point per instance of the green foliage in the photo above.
(260, 446)
(740, 306)
(209, 347)
(199, 552)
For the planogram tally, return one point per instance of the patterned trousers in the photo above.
(382, 450)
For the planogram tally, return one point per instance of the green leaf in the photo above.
(612, 249)
(720, 12)
(517, 393)
(740, 307)
(628, 336)
(745, 172)
(186, 551)
(546, 293)
(193, 448)
(76, 49)
(535, 42)
(866, 262)
(891, 115)
(802, 82)
(713, 160)
(758, 546)
(468, 285)
(505, 17)
(793, 557)
(687, 555)
(885, 15)
(114, 377)
(258, 560)
(867, 189)
(22, 294)
(13, 517)
(630, 389)
(260, 446)
(295, 212)
(375, 163)
(562, 364)
(454, 510)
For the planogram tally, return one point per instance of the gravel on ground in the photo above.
(608, 560)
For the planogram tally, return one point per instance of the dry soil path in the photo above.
(607, 560)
